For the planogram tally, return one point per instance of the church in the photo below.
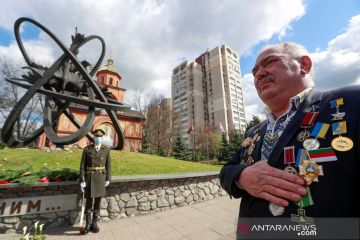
(131, 121)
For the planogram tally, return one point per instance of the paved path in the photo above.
(213, 219)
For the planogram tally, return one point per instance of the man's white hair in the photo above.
(293, 50)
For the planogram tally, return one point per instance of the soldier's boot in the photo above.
(88, 224)
(94, 226)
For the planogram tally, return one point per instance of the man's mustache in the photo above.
(265, 79)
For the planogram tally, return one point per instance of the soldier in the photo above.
(95, 174)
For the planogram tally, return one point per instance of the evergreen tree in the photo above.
(224, 153)
(162, 152)
(2, 145)
(236, 139)
(180, 151)
(145, 146)
(254, 121)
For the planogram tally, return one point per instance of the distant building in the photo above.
(131, 122)
(207, 93)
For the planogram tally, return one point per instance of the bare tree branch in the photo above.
(10, 95)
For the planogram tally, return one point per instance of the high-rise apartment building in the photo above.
(207, 93)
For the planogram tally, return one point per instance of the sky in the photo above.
(147, 39)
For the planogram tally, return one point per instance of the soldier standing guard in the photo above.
(95, 175)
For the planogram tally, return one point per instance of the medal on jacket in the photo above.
(319, 131)
(301, 217)
(249, 161)
(303, 135)
(322, 155)
(341, 143)
(309, 171)
(275, 209)
(336, 104)
(301, 156)
(305, 201)
(321, 173)
(289, 157)
(249, 145)
(307, 122)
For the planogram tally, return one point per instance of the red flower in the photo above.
(58, 180)
(4, 182)
(44, 180)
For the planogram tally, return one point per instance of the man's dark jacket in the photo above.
(336, 193)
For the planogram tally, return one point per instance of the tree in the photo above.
(145, 146)
(214, 143)
(31, 116)
(254, 121)
(207, 143)
(236, 139)
(225, 153)
(180, 151)
(158, 128)
(141, 100)
(153, 126)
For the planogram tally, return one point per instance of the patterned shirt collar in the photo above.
(276, 127)
(295, 103)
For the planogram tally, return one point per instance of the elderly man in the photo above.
(306, 155)
(95, 175)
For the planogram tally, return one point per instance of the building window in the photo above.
(111, 81)
(102, 80)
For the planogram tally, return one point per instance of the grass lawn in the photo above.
(123, 163)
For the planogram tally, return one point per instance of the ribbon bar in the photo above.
(289, 155)
(320, 130)
(309, 119)
(337, 103)
(339, 128)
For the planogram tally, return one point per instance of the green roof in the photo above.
(109, 66)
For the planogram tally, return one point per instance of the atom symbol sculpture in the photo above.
(66, 81)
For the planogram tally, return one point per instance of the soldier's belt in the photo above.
(95, 168)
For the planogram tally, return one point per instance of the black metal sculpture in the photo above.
(66, 81)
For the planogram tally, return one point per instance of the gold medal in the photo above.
(309, 171)
(246, 142)
(251, 149)
(342, 144)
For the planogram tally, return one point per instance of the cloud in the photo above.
(148, 38)
(339, 64)
(35, 49)
(253, 104)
